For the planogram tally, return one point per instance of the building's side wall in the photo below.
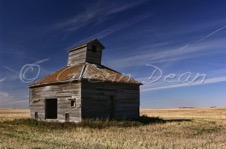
(77, 56)
(63, 93)
(97, 100)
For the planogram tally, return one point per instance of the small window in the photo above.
(36, 115)
(94, 49)
(67, 117)
(73, 103)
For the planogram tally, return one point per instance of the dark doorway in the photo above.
(36, 115)
(112, 114)
(51, 108)
(67, 117)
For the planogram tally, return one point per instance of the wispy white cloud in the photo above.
(2, 79)
(169, 54)
(97, 13)
(9, 69)
(160, 81)
(42, 61)
(9, 101)
(14, 74)
(187, 45)
(160, 86)
(18, 102)
(114, 28)
(5, 97)
(214, 32)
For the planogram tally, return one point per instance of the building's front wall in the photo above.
(64, 93)
(94, 57)
(118, 101)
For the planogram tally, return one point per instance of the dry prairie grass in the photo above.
(10, 114)
(175, 128)
(202, 113)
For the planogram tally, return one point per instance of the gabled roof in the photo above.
(86, 43)
(86, 71)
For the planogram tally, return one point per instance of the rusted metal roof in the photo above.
(86, 71)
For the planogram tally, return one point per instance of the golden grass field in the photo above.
(175, 128)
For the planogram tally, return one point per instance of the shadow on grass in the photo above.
(152, 120)
(89, 123)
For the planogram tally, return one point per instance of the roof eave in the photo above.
(79, 80)
(85, 44)
(51, 83)
(117, 82)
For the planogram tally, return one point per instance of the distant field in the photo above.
(166, 128)
(9, 114)
(202, 113)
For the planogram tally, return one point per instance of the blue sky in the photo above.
(164, 44)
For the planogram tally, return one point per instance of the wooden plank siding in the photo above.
(63, 94)
(77, 56)
(85, 54)
(94, 57)
(96, 100)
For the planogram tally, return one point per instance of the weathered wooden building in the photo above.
(85, 89)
